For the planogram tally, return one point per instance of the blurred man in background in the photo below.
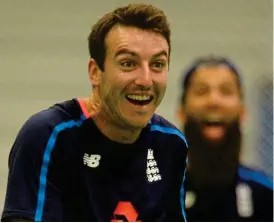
(211, 111)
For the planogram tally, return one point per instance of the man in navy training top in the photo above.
(106, 157)
(218, 187)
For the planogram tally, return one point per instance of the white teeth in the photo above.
(138, 97)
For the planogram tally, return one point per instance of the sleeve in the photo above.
(32, 191)
(182, 163)
(180, 167)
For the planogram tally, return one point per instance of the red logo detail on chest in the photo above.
(125, 212)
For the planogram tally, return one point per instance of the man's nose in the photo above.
(144, 78)
(215, 98)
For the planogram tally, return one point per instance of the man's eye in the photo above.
(227, 91)
(127, 63)
(201, 91)
(159, 65)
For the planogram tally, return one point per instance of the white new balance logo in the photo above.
(91, 160)
(153, 173)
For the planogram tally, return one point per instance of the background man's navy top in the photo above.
(248, 199)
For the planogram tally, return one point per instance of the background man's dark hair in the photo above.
(142, 16)
(209, 61)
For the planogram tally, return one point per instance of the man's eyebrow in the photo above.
(200, 83)
(162, 53)
(134, 54)
(125, 51)
(227, 84)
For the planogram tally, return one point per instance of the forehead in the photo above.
(214, 75)
(142, 42)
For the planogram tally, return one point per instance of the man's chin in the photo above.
(137, 123)
(213, 157)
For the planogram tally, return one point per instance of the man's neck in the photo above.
(109, 128)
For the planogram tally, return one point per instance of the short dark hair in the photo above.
(210, 61)
(142, 16)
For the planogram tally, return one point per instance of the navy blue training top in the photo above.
(62, 168)
(248, 199)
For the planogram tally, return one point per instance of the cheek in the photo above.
(234, 110)
(232, 105)
(163, 77)
(195, 104)
(109, 82)
(160, 81)
(118, 79)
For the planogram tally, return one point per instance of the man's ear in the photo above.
(94, 73)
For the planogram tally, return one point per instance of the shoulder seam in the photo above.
(169, 130)
(255, 176)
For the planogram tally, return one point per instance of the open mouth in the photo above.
(138, 99)
(214, 129)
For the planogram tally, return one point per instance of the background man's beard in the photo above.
(212, 163)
